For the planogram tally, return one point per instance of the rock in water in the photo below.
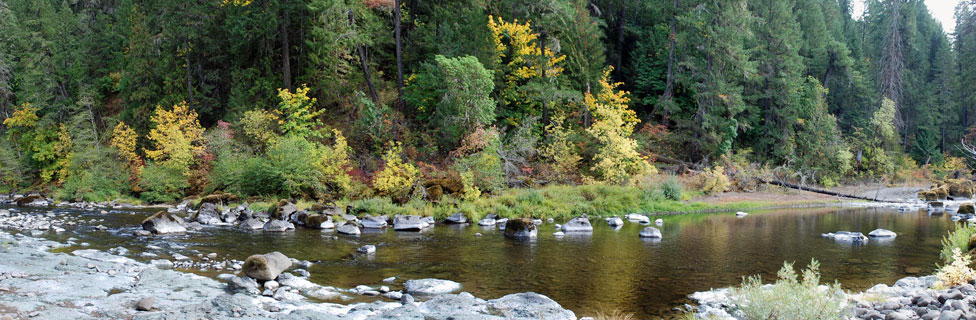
(658, 222)
(207, 214)
(650, 232)
(408, 223)
(639, 218)
(456, 218)
(266, 266)
(278, 226)
(164, 223)
(520, 229)
(741, 214)
(431, 286)
(282, 210)
(374, 222)
(251, 224)
(530, 305)
(146, 304)
(615, 221)
(298, 217)
(882, 233)
(580, 224)
(367, 249)
(319, 221)
(486, 222)
(966, 208)
(348, 228)
(847, 236)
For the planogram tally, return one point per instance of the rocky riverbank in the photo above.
(908, 298)
(87, 284)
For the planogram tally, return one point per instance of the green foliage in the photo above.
(957, 239)
(260, 128)
(162, 182)
(672, 189)
(791, 297)
(479, 165)
(820, 150)
(616, 160)
(560, 150)
(454, 94)
(297, 112)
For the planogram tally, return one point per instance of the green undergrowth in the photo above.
(557, 202)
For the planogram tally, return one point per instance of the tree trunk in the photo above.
(364, 64)
(545, 100)
(399, 54)
(621, 23)
(285, 48)
(189, 75)
(669, 84)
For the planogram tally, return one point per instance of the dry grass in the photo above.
(614, 315)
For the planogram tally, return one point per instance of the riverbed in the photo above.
(609, 269)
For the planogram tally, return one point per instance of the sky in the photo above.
(942, 10)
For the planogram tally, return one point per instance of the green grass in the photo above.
(558, 202)
(958, 238)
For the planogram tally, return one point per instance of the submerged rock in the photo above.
(367, 249)
(580, 224)
(847, 236)
(457, 218)
(164, 222)
(882, 233)
(408, 223)
(266, 266)
(431, 286)
(486, 222)
(650, 232)
(520, 229)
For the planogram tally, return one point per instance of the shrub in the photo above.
(290, 168)
(298, 113)
(560, 150)
(482, 166)
(334, 165)
(177, 138)
(260, 128)
(957, 239)
(957, 273)
(714, 181)
(396, 176)
(11, 171)
(791, 298)
(672, 189)
(162, 183)
(124, 141)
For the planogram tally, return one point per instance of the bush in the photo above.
(454, 96)
(482, 166)
(714, 180)
(94, 176)
(396, 176)
(260, 128)
(289, 168)
(957, 273)
(957, 239)
(790, 298)
(672, 189)
(162, 183)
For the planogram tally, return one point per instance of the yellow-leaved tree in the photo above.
(124, 140)
(616, 159)
(62, 155)
(521, 59)
(396, 175)
(177, 137)
(334, 164)
(297, 113)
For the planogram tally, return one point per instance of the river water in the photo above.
(600, 272)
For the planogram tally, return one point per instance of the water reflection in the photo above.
(602, 270)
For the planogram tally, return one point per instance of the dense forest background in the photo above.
(335, 98)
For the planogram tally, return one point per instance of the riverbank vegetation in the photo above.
(552, 107)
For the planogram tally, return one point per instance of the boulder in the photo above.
(330, 209)
(615, 221)
(741, 214)
(520, 229)
(650, 232)
(530, 305)
(278, 226)
(847, 237)
(266, 266)
(928, 195)
(960, 188)
(457, 218)
(374, 222)
(219, 198)
(408, 223)
(298, 217)
(251, 224)
(431, 286)
(367, 249)
(966, 208)
(243, 284)
(29, 200)
(243, 212)
(348, 228)
(941, 192)
(319, 221)
(146, 304)
(882, 233)
(207, 214)
(229, 215)
(580, 224)
(282, 210)
(639, 218)
(164, 222)
(486, 222)
(446, 186)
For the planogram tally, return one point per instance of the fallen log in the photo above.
(821, 191)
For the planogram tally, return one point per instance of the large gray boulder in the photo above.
(520, 229)
(580, 224)
(229, 215)
(650, 232)
(530, 305)
(348, 228)
(457, 218)
(164, 222)
(847, 237)
(298, 217)
(374, 222)
(243, 284)
(207, 214)
(266, 266)
(882, 233)
(408, 223)
(431, 286)
(251, 224)
(278, 226)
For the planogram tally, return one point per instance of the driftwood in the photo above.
(820, 191)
